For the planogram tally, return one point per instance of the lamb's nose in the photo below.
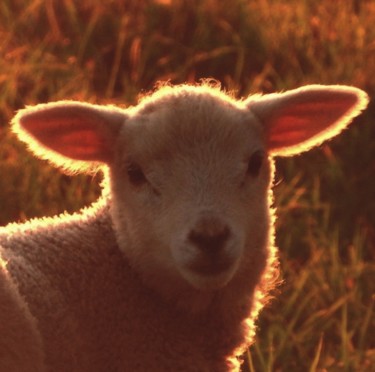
(209, 235)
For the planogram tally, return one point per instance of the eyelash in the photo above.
(255, 163)
(135, 174)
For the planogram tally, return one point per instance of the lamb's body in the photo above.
(95, 314)
(167, 272)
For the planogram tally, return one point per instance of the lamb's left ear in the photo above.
(75, 136)
(299, 119)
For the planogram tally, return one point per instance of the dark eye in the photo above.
(255, 163)
(135, 174)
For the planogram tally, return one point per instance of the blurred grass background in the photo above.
(322, 317)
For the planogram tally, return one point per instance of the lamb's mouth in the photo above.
(210, 267)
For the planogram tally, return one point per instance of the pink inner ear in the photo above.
(69, 132)
(82, 144)
(300, 121)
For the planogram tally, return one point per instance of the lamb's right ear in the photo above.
(72, 135)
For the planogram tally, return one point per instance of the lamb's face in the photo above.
(190, 188)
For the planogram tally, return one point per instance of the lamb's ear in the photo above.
(302, 118)
(72, 135)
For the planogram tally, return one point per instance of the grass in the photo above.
(322, 317)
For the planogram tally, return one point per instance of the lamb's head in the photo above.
(190, 180)
(190, 171)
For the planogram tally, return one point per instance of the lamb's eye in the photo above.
(255, 163)
(135, 174)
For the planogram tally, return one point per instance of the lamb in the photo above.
(169, 269)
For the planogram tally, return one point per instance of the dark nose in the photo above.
(209, 235)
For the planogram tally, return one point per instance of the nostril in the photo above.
(210, 241)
